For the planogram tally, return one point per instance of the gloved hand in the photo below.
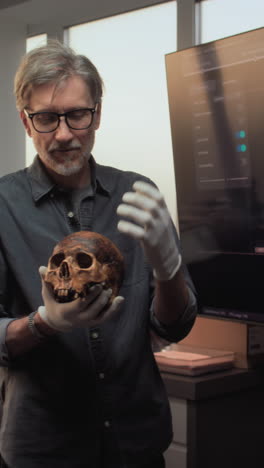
(82, 312)
(150, 222)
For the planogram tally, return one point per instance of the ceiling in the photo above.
(10, 3)
(66, 12)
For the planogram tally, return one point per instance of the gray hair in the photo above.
(54, 63)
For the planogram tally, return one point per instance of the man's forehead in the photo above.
(71, 93)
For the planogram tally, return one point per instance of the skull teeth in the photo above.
(63, 292)
(68, 295)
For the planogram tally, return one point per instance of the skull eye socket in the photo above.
(84, 260)
(57, 260)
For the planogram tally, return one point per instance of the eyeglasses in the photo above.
(77, 119)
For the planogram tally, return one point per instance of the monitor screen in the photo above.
(216, 102)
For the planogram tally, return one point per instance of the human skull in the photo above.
(81, 260)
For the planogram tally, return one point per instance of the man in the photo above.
(80, 387)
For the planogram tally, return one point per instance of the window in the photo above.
(222, 18)
(35, 41)
(129, 50)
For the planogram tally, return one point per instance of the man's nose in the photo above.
(63, 132)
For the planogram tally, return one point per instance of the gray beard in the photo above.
(67, 171)
(71, 167)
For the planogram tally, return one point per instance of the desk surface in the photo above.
(212, 384)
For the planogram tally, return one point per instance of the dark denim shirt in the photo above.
(86, 395)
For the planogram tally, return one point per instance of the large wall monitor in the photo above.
(216, 101)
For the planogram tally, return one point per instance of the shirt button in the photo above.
(51, 195)
(107, 424)
(94, 335)
(101, 375)
(70, 214)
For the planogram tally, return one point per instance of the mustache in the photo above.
(64, 146)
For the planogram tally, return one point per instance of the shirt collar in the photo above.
(42, 184)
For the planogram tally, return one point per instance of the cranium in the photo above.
(81, 260)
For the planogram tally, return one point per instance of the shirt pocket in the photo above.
(136, 269)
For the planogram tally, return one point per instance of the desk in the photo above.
(218, 419)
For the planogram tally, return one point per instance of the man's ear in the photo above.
(97, 117)
(25, 122)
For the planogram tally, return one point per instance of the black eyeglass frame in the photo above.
(64, 114)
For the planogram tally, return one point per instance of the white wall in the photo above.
(12, 46)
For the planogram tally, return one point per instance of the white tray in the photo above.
(187, 360)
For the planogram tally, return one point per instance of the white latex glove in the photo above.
(82, 312)
(150, 222)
